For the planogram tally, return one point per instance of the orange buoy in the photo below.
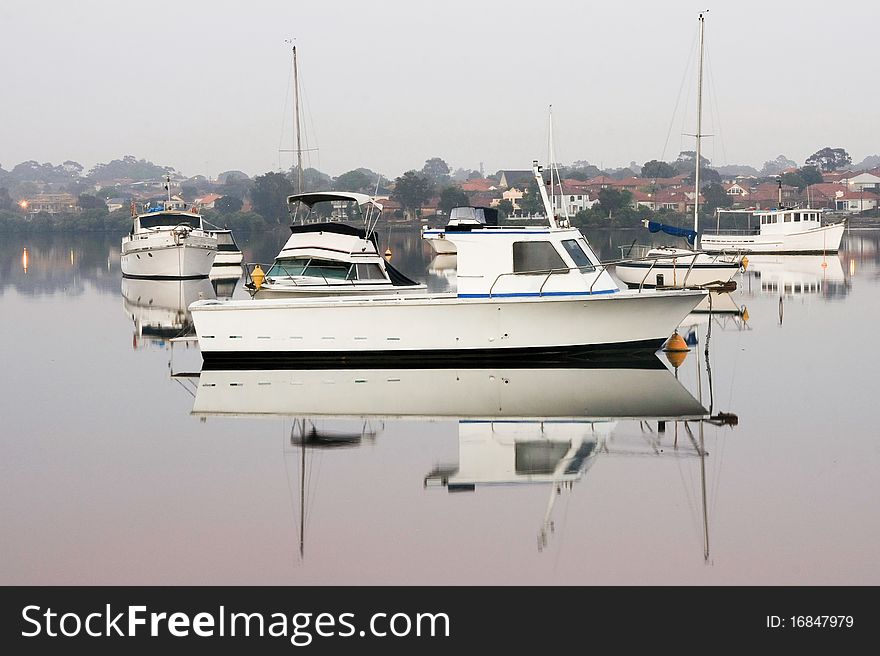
(745, 262)
(676, 349)
(676, 343)
(388, 254)
(258, 276)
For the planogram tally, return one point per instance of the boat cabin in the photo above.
(525, 261)
(322, 250)
(776, 221)
(165, 215)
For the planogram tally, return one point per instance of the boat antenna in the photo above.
(699, 134)
(168, 186)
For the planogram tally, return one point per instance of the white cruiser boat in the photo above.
(536, 292)
(786, 230)
(326, 257)
(460, 219)
(167, 241)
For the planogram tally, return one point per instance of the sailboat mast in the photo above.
(298, 146)
(699, 133)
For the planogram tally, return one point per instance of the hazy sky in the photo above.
(204, 86)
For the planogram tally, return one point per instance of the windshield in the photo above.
(304, 266)
(164, 220)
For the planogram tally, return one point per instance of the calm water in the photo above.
(121, 466)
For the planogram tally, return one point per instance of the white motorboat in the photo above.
(665, 266)
(167, 241)
(460, 219)
(228, 252)
(783, 230)
(326, 257)
(158, 308)
(535, 292)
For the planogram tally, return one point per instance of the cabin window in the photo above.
(577, 254)
(290, 266)
(367, 272)
(537, 257)
(787, 218)
(797, 218)
(327, 269)
(168, 221)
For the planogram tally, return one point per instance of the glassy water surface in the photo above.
(752, 461)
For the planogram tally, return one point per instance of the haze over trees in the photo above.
(829, 159)
(777, 166)
(412, 190)
(269, 196)
(128, 167)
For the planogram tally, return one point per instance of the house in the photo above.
(857, 201)
(766, 196)
(863, 181)
(478, 184)
(572, 200)
(207, 201)
(508, 179)
(824, 194)
(738, 189)
(50, 203)
(514, 195)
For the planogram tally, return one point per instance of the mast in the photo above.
(699, 134)
(298, 146)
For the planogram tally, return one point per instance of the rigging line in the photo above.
(713, 99)
(284, 109)
(678, 99)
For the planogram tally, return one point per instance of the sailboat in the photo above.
(666, 266)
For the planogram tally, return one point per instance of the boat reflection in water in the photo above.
(225, 279)
(158, 308)
(515, 426)
(797, 275)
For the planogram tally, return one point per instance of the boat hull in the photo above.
(437, 328)
(825, 239)
(162, 257)
(675, 272)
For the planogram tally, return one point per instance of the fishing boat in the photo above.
(781, 230)
(535, 292)
(167, 240)
(325, 256)
(666, 266)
